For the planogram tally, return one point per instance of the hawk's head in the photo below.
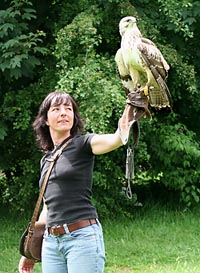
(125, 23)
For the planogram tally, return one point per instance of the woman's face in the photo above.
(60, 118)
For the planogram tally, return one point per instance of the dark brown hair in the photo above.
(39, 125)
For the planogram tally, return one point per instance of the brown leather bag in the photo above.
(31, 240)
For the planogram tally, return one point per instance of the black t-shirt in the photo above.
(69, 188)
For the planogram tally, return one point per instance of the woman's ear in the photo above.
(47, 123)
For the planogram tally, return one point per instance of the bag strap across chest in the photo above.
(52, 160)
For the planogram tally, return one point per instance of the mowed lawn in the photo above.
(155, 240)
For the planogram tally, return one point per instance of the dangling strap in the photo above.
(52, 160)
(130, 171)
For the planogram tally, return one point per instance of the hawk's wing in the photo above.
(123, 72)
(155, 57)
(154, 60)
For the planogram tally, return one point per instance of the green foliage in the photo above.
(19, 46)
(68, 51)
(20, 191)
(84, 36)
(19, 158)
(3, 130)
(181, 16)
(175, 151)
(95, 92)
(183, 84)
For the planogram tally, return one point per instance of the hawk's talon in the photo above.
(145, 90)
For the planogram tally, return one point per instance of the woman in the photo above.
(73, 240)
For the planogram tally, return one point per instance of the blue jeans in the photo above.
(79, 251)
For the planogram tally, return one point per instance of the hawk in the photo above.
(141, 64)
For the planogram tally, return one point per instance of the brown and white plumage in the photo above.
(140, 63)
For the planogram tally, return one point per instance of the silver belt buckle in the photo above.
(54, 230)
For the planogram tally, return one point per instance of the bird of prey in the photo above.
(141, 64)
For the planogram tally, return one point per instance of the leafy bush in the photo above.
(18, 47)
(175, 151)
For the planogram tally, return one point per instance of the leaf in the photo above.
(11, 43)
(42, 50)
(3, 131)
(5, 28)
(28, 10)
(5, 65)
(8, 54)
(15, 62)
(13, 13)
(190, 20)
(16, 73)
(33, 61)
(28, 16)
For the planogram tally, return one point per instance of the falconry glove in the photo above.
(140, 103)
(136, 108)
(126, 122)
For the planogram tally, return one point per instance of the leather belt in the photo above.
(60, 230)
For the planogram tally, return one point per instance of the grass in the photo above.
(156, 240)
(159, 240)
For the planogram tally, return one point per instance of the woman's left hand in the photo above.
(26, 265)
